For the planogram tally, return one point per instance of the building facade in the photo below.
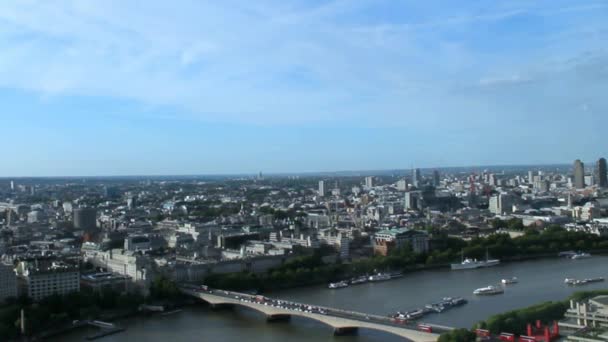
(579, 174)
(85, 219)
(8, 282)
(387, 240)
(602, 176)
(40, 281)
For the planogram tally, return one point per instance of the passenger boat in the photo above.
(435, 307)
(379, 277)
(488, 290)
(468, 264)
(415, 314)
(512, 280)
(337, 285)
(566, 254)
(455, 301)
(580, 256)
(577, 282)
(359, 280)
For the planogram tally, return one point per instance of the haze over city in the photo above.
(193, 87)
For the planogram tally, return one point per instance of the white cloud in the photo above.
(264, 62)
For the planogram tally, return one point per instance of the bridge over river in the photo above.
(342, 321)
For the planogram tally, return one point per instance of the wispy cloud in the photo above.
(287, 61)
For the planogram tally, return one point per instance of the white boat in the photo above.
(380, 277)
(359, 280)
(512, 280)
(468, 264)
(337, 285)
(489, 290)
(415, 314)
(580, 256)
(576, 282)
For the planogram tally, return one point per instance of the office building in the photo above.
(579, 174)
(85, 219)
(386, 240)
(602, 177)
(369, 182)
(416, 178)
(412, 200)
(40, 279)
(501, 204)
(8, 282)
(436, 178)
(322, 188)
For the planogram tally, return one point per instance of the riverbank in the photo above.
(311, 270)
(114, 317)
(540, 281)
(516, 321)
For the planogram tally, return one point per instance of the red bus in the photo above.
(425, 328)
(527, 339)
(482, 333)
(507, 337)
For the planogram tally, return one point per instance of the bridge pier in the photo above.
(278, 318)
(345, 331)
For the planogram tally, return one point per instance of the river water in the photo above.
(539, 280)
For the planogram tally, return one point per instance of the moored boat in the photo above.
(359, 280)
(512, 280)
(577, 282)
(468, 263)
(414, 314)
(580, 256)
(489, 290)
(337, 285)
(379, 277)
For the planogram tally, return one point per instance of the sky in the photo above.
(113, 87)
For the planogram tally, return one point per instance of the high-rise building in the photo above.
(492, 179)
(412, 200)
(501, 204)
(579, 174)
(436, 178)
(131, 202)
(530, 177)
(321, 188)
(369, 182)
(416, 179)
(85, 219)
(12, 185)
(602, 177)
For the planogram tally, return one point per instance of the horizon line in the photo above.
(249, 174)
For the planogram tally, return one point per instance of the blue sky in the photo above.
(118, 87)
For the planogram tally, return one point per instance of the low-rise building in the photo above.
(386, 240)
(41, 279)
(105, 281)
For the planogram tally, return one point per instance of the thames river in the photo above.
(540, 280)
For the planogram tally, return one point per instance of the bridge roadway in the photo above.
(342, 321)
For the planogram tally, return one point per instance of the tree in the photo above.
(457, 335)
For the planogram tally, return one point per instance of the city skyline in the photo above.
(104, 88)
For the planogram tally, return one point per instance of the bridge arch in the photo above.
(279, 315)
(336, 322)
